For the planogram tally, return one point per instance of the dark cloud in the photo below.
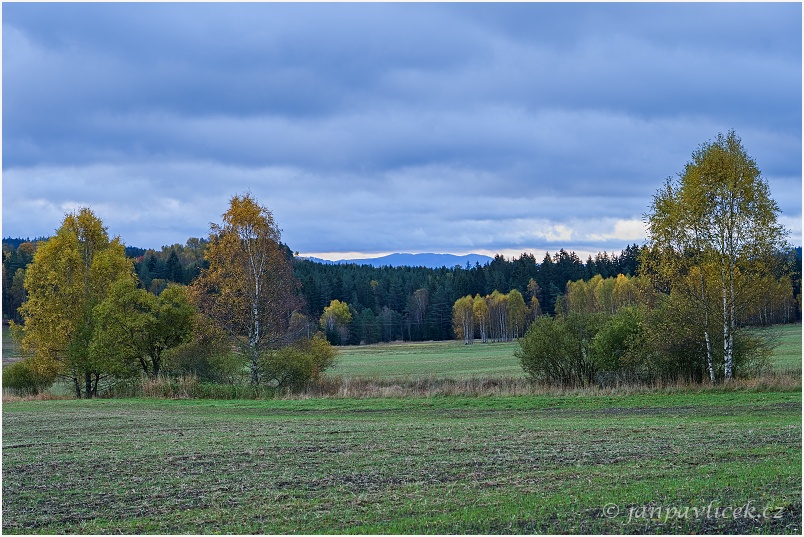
(389, 127)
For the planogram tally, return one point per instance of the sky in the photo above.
(376, 128)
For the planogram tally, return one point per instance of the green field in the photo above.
(787, 354)
(10, 351)
(450, 359)
(570, 464)
(453, 359)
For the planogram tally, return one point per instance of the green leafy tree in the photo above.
(137, 327)
(249, 287)
(617, 346)
(557, 350)
(547, 352)
(70, 275)
(718, 223)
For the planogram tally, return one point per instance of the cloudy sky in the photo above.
(377, 128)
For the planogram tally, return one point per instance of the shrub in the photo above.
(24, 379)
(294, 365)
(555, 349)
(207, 356)
(616, 346)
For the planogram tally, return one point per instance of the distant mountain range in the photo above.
(413, 260)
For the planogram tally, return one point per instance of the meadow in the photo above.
(10, 351)
(682, 460)
(450, 359)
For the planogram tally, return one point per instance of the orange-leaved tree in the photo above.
(249, 288)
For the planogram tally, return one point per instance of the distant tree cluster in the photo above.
(416, 303)
(495, 317)
(172, 264)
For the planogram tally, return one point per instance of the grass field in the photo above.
(10, 351)
(428, 359)
(416, 465)
(787, 355)
(453, 359)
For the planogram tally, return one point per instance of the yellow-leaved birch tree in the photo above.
(712, 231)
(249, 288)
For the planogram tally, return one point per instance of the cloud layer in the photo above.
(389, 127)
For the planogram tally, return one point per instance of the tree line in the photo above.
(386, 303)
(413, 303)
(401, 303)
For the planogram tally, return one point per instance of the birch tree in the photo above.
(249, 287)
(517, 313)
(481, 315)
(463, 319)
(716, 223)
(335, 321)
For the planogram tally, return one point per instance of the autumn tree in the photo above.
(481, 315)
(335, 321)
(713, 227)
(249, 287)
(70, 275)
(517, 313)
(498, 315)
(463, 319)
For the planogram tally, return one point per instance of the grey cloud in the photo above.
(386, 127)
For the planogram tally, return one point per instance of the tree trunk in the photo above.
(709, 363)
(254, 345)
(88, 385)
(729, 358)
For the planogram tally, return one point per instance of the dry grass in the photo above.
(361, 387)
(10, 396)
(189, 387)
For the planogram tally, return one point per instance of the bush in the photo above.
(617, 346)
(554, 350)
(207, 356)
(24, 379)
(295, 365)
(675, 347)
